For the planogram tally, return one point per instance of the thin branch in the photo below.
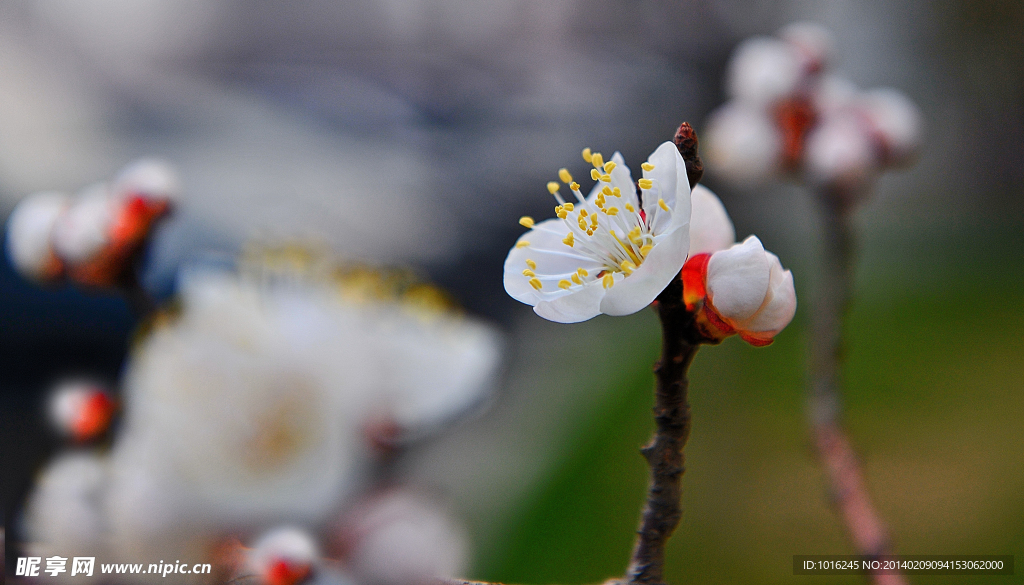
(866, 529)
(664, 454)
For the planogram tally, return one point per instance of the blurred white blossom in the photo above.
(81, 410)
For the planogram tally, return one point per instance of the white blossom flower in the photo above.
(750, 292)
(29, 231)
(763, 70)
(895, 120)
(64, 512)
(402, 538)
(711, 229)
(742, 143)
(841, 152)
(610, 252)
(282, 556)
(81, 410)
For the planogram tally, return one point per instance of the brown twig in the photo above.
(850, 496)
(665, 452)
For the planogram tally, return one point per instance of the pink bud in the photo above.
(29, 231)
(283, 556)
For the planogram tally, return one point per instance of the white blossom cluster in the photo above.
(790, 114)
(268, 401)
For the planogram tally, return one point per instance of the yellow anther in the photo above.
(582, 272)
(568, 206)
(597, 160)
(607, 190)
(575, 186)
(561, 213)
(663, 205)
(634, 235)
(583, 213)
(568, 241)
(627, 267)
(529, 272)
(565, 176)
(536, 283)
(564, 284)
(647, 166)
(593, 221)
(612, 211)
(586, 154)
(576, 279)
(552, 187)
(590, 232)
(645, 183)
(617, 192)
(644, 251)
(608, 166)
(630, 208)
(608, 281)
(595, 175)
(583, 224)
(531, 264)
(522, 244)
(526, 221)
(606, 178)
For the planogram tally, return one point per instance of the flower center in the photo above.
(612, 228)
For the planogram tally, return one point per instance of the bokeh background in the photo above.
(417, 132)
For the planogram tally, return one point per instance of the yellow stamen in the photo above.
(526, 221)
(627, 267)
(593, 221)
(564, 284)
(634, 235)
(582, 272)
(522, 244)
(607, 190)
(568, 241)
(552, 187)
(606, 178)
(595, 175)
(647, 166)
(661, 204)
(561, 213)
(568, 206)
(612, 210)
(565, 176)
(645, 183)
(644, 251)
(583, 213)
(609, 166)
(576, 279)
(629, 250)
(608, 281)
(597, 160)
(529, 272)
(586, 155)
(617, 192)
(583, 224)
(630, 208)
(531, 264)
(590, 232)
(536, 283)
(575, 186)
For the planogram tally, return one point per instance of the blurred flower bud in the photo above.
(840, 153)
(710, 227)
(763, 70)
(63, 514)
(283, 556)
(896, 122)
(813, 43)
(29, 231)
(81, 410)
(84, 229)
(742, 144)
(833, 93)
(149, 177)
(749, 293)
(401, 538)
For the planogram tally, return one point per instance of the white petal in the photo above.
(63, 514)
(665, 176)
(711, 229)
(741, 144)
(639, 289)
(840, 152)
(580, 304)
(779, 304)
(762, 70)
(148, 176)
(832, 93)
(738, 279)
(622, 178)
(896, 119)
(29, 231)
(555, 261)
(83, 230)
(281, 544)
(813, 42)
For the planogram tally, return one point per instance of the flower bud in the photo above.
(81, 410)
(813, 43)
(742, 143)
(841, 153)
(29, 231)
(153, 178)
(711, 229)
(83, 230)
(763, 70)
(749, 292)
(283, 556)
(896, 122)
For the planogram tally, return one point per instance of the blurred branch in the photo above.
(846, 482)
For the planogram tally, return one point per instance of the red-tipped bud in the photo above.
(82, 411)
(693, 274)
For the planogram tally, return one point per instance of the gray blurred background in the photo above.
(417, 132)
